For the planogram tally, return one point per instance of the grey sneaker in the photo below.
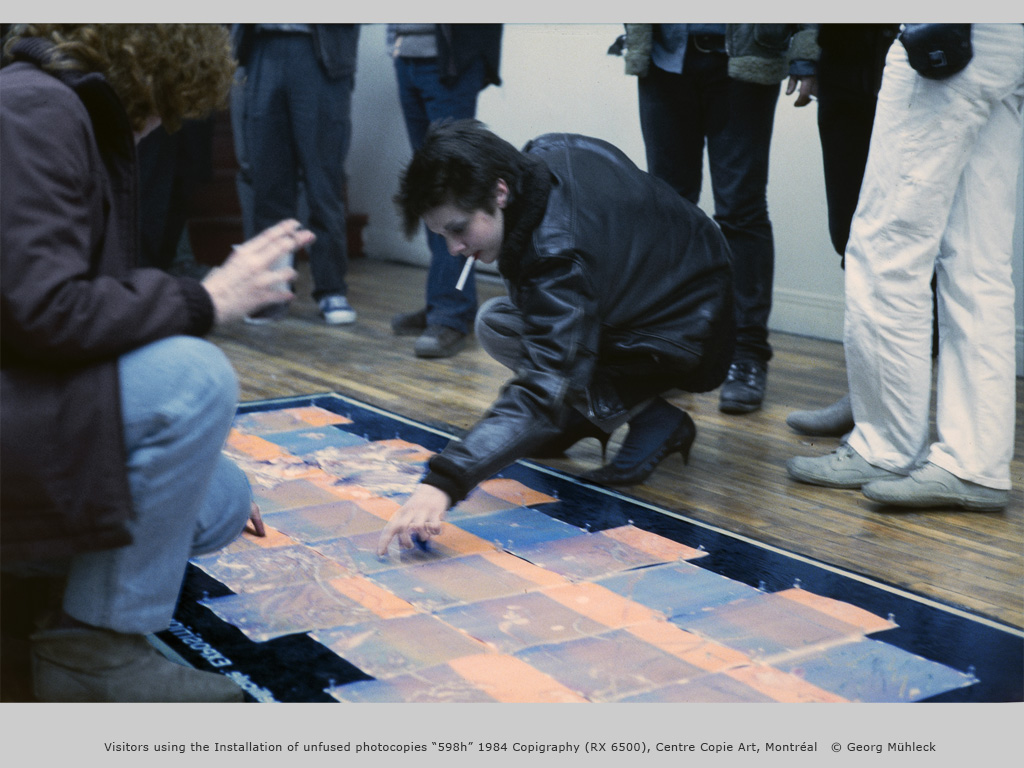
(832, 421)
(336, 310)
(439, 341)
(932, 486)
(843, 468)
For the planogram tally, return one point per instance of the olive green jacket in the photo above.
(758, 53)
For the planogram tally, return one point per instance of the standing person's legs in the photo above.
(739, 141)
(447, 306)
(975, 406)
(846, 112)
(321, 124)
(268, 138)
(740, 119)
(672, 118)
(243, 179)
(924, 132)
(847, 92)
(449, 313)
(268, 141)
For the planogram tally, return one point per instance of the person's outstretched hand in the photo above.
(252, 277)
(420, 516)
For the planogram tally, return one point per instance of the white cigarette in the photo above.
(465, 273)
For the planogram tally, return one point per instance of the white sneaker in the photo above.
(336, 310)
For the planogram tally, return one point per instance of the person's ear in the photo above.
(501, 193)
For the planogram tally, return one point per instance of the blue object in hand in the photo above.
(423, 544)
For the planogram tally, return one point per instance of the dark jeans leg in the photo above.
(268, 141)
(678, 113)
(740, 122)
(672, 121)
(296, 121)
(322, 126)
(424, 99)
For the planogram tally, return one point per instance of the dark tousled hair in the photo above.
(459, 162)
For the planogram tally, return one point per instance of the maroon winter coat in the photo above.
(72, 303)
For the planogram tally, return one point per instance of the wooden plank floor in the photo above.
(735, 479)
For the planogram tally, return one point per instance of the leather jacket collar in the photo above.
(526, 209)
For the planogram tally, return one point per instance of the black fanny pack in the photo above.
(937, 51)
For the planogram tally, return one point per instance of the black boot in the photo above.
(654, 433)
(743, 389)
(576, 428)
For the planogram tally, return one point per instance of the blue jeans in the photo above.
(178, 399)
(678, 113)
(424, 99)
(295, 124)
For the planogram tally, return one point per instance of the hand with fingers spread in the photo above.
(251, 278)
(420, 516)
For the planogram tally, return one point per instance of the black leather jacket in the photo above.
(612, 271)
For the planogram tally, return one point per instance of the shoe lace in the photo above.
(748, 373)
(332, 303)
(845, 452)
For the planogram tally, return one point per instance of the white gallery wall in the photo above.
(559, 77)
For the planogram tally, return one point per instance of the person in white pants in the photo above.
(939, 194)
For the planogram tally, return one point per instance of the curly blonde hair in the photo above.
(173, 71)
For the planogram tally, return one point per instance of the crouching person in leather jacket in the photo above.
(619, 290)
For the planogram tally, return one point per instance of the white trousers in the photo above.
(939, 196)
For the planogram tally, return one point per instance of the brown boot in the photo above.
(93, 665)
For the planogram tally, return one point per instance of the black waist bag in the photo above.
(937, 51)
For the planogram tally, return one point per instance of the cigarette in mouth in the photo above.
(465, 273)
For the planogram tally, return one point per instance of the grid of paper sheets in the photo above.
(510, 604)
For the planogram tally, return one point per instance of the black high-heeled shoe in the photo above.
(654, 433)
(578, 428)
